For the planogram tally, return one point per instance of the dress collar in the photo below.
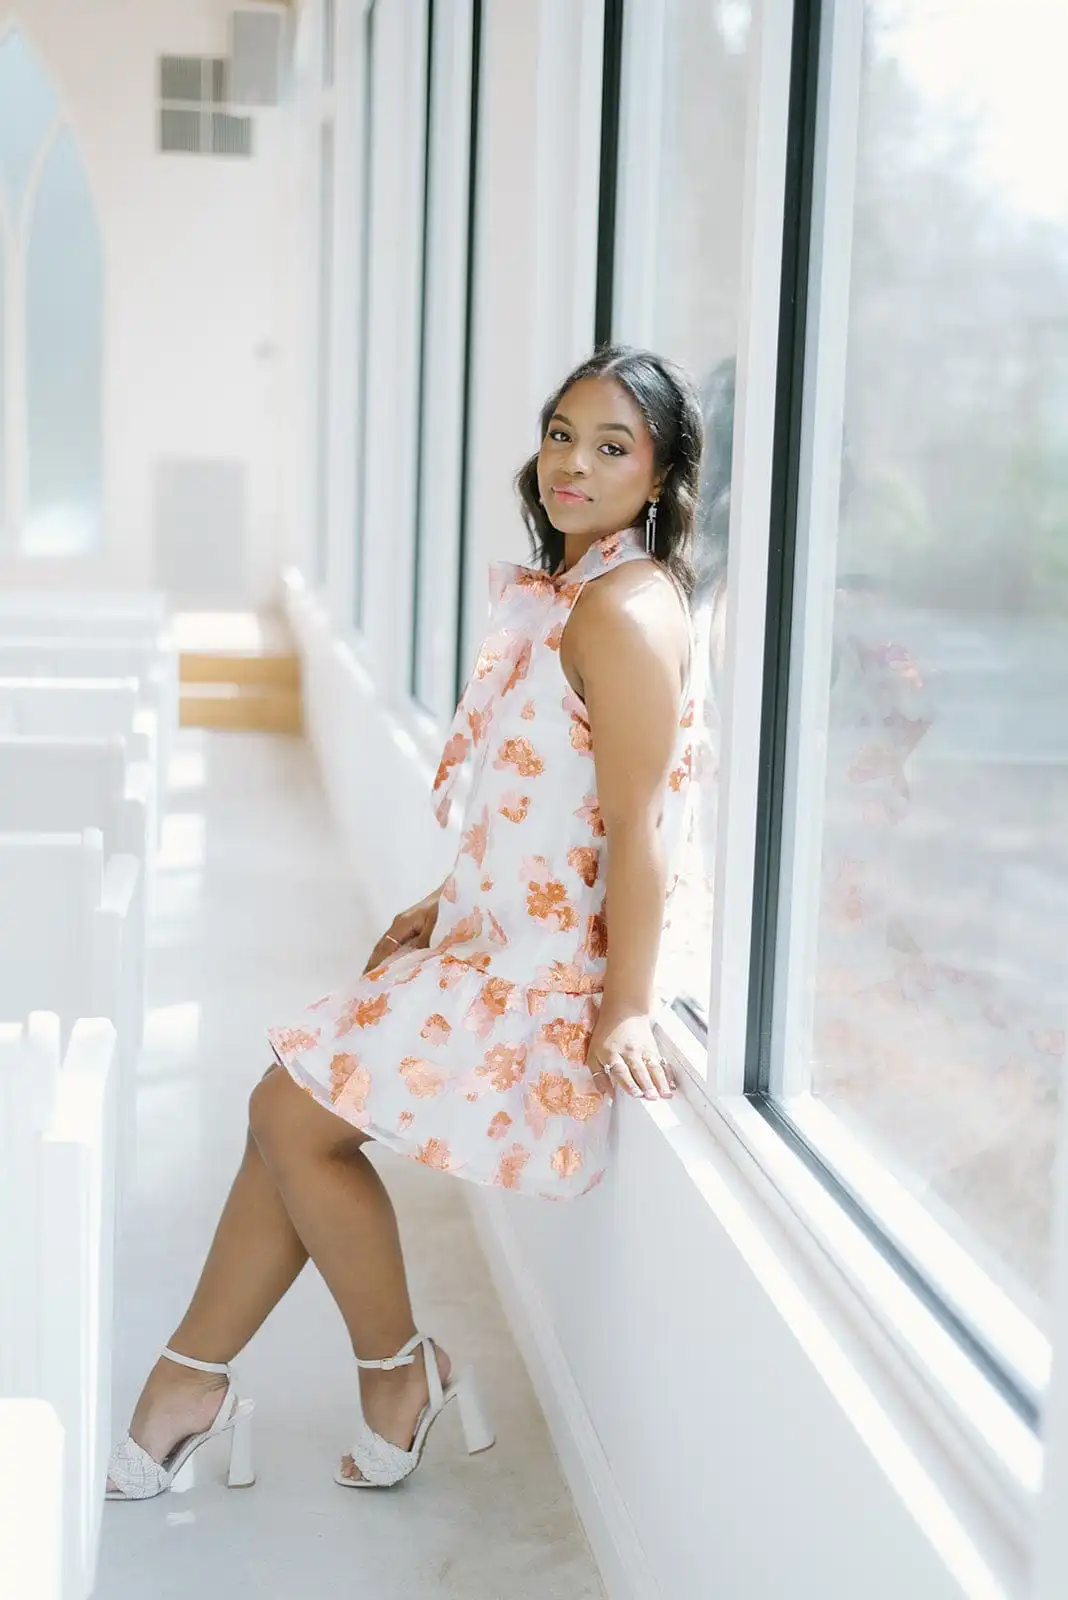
(596, 558)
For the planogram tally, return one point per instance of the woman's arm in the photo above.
(628, 644)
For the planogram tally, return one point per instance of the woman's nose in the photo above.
(577, 460)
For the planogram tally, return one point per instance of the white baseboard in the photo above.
(616, 1548)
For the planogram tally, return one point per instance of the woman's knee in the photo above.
(266, 1107)
(286, 1123)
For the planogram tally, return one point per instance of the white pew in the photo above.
(69, 945)
(57, 1150)
(85, 609)
(87, 708)
(65, 785)
(31, 1500)
(153, 663)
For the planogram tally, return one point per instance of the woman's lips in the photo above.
(569, 494)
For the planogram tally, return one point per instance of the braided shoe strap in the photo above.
(135, 1473)
(379, 1461)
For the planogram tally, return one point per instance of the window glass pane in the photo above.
(325, 347)
(925, 916)
(64, 361)
(442, 423)
(687, 251)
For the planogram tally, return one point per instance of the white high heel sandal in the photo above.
(384, 1464)
(137, 1476)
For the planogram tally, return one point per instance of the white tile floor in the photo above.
(255, 916)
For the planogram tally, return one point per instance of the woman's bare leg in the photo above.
(255, 1257)
(341, 1209)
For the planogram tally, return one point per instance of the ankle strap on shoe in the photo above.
(198, 1366)
(404, 1357)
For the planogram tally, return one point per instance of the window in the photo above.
(678, 266)
(51, 334)
(363, 354)
(325, 346)
(453, 51)
(910, 1013)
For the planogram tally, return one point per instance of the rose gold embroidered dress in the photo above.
(470, 1055)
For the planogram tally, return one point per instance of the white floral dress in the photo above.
(470, 1055)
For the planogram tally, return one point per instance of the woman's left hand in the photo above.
(624, 1050)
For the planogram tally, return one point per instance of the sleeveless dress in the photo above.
(470, 1055)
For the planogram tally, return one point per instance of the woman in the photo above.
(492, 1018)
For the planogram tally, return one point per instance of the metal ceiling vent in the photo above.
(193, 91)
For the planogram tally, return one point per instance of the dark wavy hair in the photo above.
(668, 401)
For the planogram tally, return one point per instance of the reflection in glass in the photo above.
(693, 280)
(929, 1005)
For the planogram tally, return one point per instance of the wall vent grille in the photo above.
(192, 88)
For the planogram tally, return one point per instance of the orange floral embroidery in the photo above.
(554, 1095)
(510, 1166)
(521, 754)
(434, 1153)
(497, 933)
(478, 722)
(421, 1077)
(463, 931)
(488, 657)
(540, 582)
(566, 1160)
(291, 1041)
(486, 885)
(453, 754)
(686, 720)
(545, 900)
(528, 712)
(448, 890)
(684, 772)
(514, 807)
(521, 668)
(347, 1073)
(436, 1029)
(570, 1038)
(554, 636)
(488, 1007)
(362, 1014)
(405, 1120)
(595, 943)
(451, 971)
(562, 977)
(594, 1181)
(504, 1065)
(581, 736)
(590, 812)
(474, 840)
(585, 860)
(317, 1003)
(499, 1125)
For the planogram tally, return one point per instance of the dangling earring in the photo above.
(650, 528)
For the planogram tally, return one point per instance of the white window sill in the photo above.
(944, 1433)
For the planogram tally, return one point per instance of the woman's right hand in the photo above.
(410, 929)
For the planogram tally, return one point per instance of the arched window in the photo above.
(51, 299)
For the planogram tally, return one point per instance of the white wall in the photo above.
(199, 288)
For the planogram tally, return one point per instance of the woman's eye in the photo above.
(616, 449)
(557, 434)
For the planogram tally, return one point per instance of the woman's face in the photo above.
(595, 465)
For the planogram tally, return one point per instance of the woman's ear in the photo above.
(657, 488)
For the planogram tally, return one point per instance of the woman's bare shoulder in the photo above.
(636, 599)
